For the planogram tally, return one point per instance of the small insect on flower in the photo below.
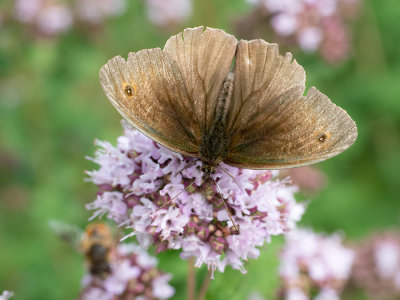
(115, 270)
(134, 275)
(96, 243)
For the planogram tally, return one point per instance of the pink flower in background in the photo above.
(309, 38)
(336, 45)
(255, 296)
(312, 261)
(134, 275)
(168, 12)
(314, 25)
(95, 11)
(309, 179)
(52, 17)
(387, 260)
(48, 17)
(377, 266)
(5, 295)
(26, 10)
(137, 177)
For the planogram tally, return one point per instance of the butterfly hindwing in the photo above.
(149, 91)
(271, 124)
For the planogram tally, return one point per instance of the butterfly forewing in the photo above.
(149, 91)
(204, 57)
(271, 125)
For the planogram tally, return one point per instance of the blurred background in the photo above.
(52, 108)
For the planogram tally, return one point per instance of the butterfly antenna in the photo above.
(173, 198)
(234, 179)
(231, 176)
(226, 206)
(189, 165)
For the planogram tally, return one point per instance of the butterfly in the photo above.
(210, 96)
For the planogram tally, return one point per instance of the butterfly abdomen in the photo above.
(213, 148)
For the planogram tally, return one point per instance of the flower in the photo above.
(255, 296)
(316, 261)
(48, 17)
(146, 176)
(6, 295)
(377, 266)
(314, 25)
(309, 179)
(167, 12)
(53, 17)
(95, 11)
(134, 274)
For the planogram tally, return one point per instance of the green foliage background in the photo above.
(52, 108)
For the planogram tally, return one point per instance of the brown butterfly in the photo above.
(210, 96)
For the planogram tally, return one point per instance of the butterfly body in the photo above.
(215, 142)
(210, 96)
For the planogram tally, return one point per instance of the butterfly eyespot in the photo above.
(322, 138)
(128, 90)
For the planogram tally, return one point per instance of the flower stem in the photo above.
(204, 286)
(191, 280)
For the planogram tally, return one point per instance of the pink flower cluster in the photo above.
(134, 275)
(168, 12)
(309, 179)
(52, 17)
(315, 262)
(48, 17)
(313, 24)
(95, 12)
(377, 266)
(137, 177)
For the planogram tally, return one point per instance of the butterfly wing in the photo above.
(204, 57)
(148, 90)
(271, 123)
